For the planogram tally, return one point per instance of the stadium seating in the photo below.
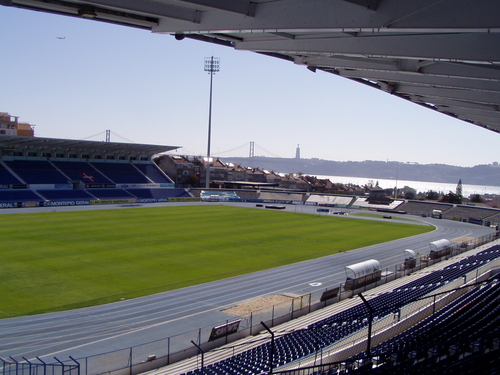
(7, 178)
(22, 195)
(326, 332)
(152, 172)
(99, 178)
(64, 194)
(110, 194)
(447, 340)
(420, 207)
(121, 173)
(158, 193)
(332, 200)
(365, 203)
(37, 172)
(81, 171)
(468, 212)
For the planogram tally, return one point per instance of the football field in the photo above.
(53, 261)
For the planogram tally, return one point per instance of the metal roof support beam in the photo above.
(359, 66)
(370, 4)
(450, 103)
(488, 98)
(291, 16)
(154, 8)
(419, 79)
(244, 7)
(128, 14)
(437, 47)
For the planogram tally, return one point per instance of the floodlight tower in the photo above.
(212, 65)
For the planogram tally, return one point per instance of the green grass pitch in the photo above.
(61, 260)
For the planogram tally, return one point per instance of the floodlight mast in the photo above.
(212, 65)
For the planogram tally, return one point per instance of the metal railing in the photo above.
(39, 367)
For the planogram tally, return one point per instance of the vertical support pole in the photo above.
(62, 364)
(17, 365)
(370, 320)
(168, 350)
(202, 353)
(77, 365)
(130, 361)
(271, 365)
(29, 363)
(251, 322)
(211, 66)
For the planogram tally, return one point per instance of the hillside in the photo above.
(477, 175)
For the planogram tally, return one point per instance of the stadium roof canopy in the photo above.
(441, 54)
(55, 144)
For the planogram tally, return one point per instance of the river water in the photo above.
(419, 186)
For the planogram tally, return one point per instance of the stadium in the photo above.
(386, 289)
(277, 285)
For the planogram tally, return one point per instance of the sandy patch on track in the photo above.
(246, 308)
(463, 239)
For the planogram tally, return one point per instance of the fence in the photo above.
(26, 367)
(141, 358)
(353, 353)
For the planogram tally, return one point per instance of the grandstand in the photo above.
(58, 172)
(460, 212)
(330, 336)
(463, 337)
(366, 203)
(476, 215)
(424, 208)
(331, 200)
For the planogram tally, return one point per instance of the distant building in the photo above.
(272, 177)
(190, 171)
(10, 125)
(218, 170)
(236, 172)
(180, 169)
(297, 152)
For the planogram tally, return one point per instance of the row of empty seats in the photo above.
(25, 195)
(61, 172)
(418, 207)
(463, 335)
(326, 332)
(450, 211)
(479, 213)
(365, 203)
(336, 200)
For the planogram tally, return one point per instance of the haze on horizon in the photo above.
(74, 78)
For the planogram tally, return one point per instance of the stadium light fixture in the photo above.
(212, 66)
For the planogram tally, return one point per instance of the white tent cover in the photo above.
(439, 245)
(367, 267)
(410, 254)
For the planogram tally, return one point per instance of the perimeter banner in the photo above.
(224, 330)
(113, 201)
(11, 205)
(330, 293)
(184, 199)
(67, 203)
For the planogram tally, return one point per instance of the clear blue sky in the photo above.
(151, 88)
